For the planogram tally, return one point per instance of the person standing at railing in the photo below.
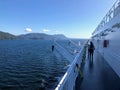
(53, 48)
(88, 47)
(91, 50)
(68, 43)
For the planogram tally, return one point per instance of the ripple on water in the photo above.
(29, 65)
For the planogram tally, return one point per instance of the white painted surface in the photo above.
(68, 80)
(112, 52)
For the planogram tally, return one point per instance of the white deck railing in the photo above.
(68, 80)
(114, 11)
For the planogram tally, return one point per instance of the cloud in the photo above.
(28, 30)
(49, 31)
(46, 30)
(59, 32)
(56, 31)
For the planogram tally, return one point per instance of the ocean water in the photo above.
(30, 65)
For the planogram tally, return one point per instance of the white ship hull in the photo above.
(107, 38)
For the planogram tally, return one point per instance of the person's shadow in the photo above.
(78, 82)
(91, 65)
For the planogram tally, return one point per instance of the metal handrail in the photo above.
(64, 84)
(111, 14)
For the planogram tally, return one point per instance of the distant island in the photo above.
(5, 35)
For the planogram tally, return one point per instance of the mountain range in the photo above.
(5, 35)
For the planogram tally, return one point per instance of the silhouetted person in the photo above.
(91, 50)
(53, 48)
(88, 47)
(69, 43)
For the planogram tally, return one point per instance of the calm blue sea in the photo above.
(30, 65)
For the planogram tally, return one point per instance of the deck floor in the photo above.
(98, 75)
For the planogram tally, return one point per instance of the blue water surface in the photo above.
(30, 65)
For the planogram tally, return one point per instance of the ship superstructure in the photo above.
(106, 37)
(103, 73)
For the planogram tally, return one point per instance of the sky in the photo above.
(73, 18)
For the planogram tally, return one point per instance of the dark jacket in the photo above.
(92, 48)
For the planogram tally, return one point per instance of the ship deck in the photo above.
(98, 75)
